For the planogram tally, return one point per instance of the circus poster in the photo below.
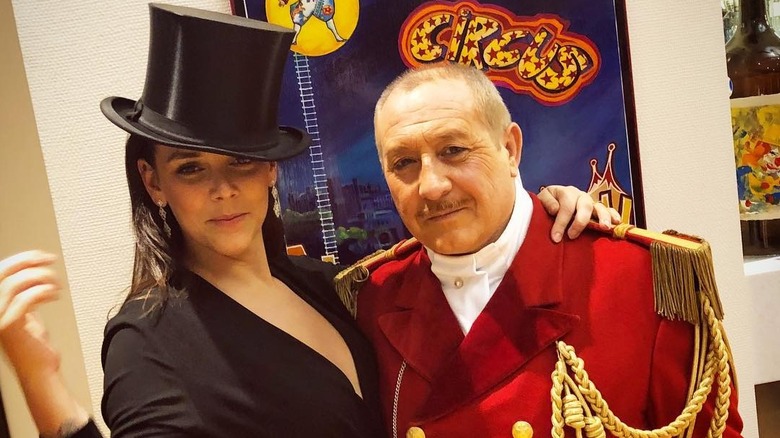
(560, 65)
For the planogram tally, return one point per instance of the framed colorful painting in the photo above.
(561, 66)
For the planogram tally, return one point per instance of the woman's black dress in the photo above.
(205, 366)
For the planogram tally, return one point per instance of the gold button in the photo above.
(458, 283)
(522, 429)
(415, 432)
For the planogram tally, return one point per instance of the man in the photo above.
(465, 326)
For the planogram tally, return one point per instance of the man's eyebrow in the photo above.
(182, 155)
(446, 135)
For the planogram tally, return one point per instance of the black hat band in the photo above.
(165, 127)
(162, 126)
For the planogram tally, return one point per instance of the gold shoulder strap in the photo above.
(348, 281)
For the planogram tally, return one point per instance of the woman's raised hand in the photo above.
(27, 281)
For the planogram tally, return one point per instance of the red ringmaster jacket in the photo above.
(594, 293)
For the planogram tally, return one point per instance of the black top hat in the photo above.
(212, 84)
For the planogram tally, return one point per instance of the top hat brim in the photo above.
(290, 141)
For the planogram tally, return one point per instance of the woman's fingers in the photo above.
(22, 260)
(26, 281)
(27, 301)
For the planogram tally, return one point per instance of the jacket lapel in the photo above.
(422, 329)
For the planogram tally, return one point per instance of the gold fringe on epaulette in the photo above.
(347, 282)
(681, 275)
(683, 271)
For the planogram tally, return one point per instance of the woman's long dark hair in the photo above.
(157, 256)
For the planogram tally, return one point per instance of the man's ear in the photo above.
(513, 143)
(151, 181)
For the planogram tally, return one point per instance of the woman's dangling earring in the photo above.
(163, 216)
(277, 204)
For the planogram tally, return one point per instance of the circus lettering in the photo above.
(533, 55)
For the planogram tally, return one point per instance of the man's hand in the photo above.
(569, 202)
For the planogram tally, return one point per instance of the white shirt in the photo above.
(468, 281)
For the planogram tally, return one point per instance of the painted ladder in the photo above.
(306, 92)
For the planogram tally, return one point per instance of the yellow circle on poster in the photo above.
(321, 26)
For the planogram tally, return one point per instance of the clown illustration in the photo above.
(302, 10)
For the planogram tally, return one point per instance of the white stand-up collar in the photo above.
(469, 281)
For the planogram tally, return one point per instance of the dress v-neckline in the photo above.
(319, 307)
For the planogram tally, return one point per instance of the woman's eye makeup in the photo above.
(194, 166)
(187, 168)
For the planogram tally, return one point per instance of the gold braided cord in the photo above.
(572, 410)
(620, 230)
(594, 428)
(584, 391)
(721, 412)
(613, 423)
(573, 414)
(700, 334)
(555, 396)
(575, 405)
(734, 381)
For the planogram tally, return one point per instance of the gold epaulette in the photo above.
(348, 281)
(683, 271)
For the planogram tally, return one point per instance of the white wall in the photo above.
(77, 52)
(27, 219)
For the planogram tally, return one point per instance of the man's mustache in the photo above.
(440, 208)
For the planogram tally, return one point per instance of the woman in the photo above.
(221, 334)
